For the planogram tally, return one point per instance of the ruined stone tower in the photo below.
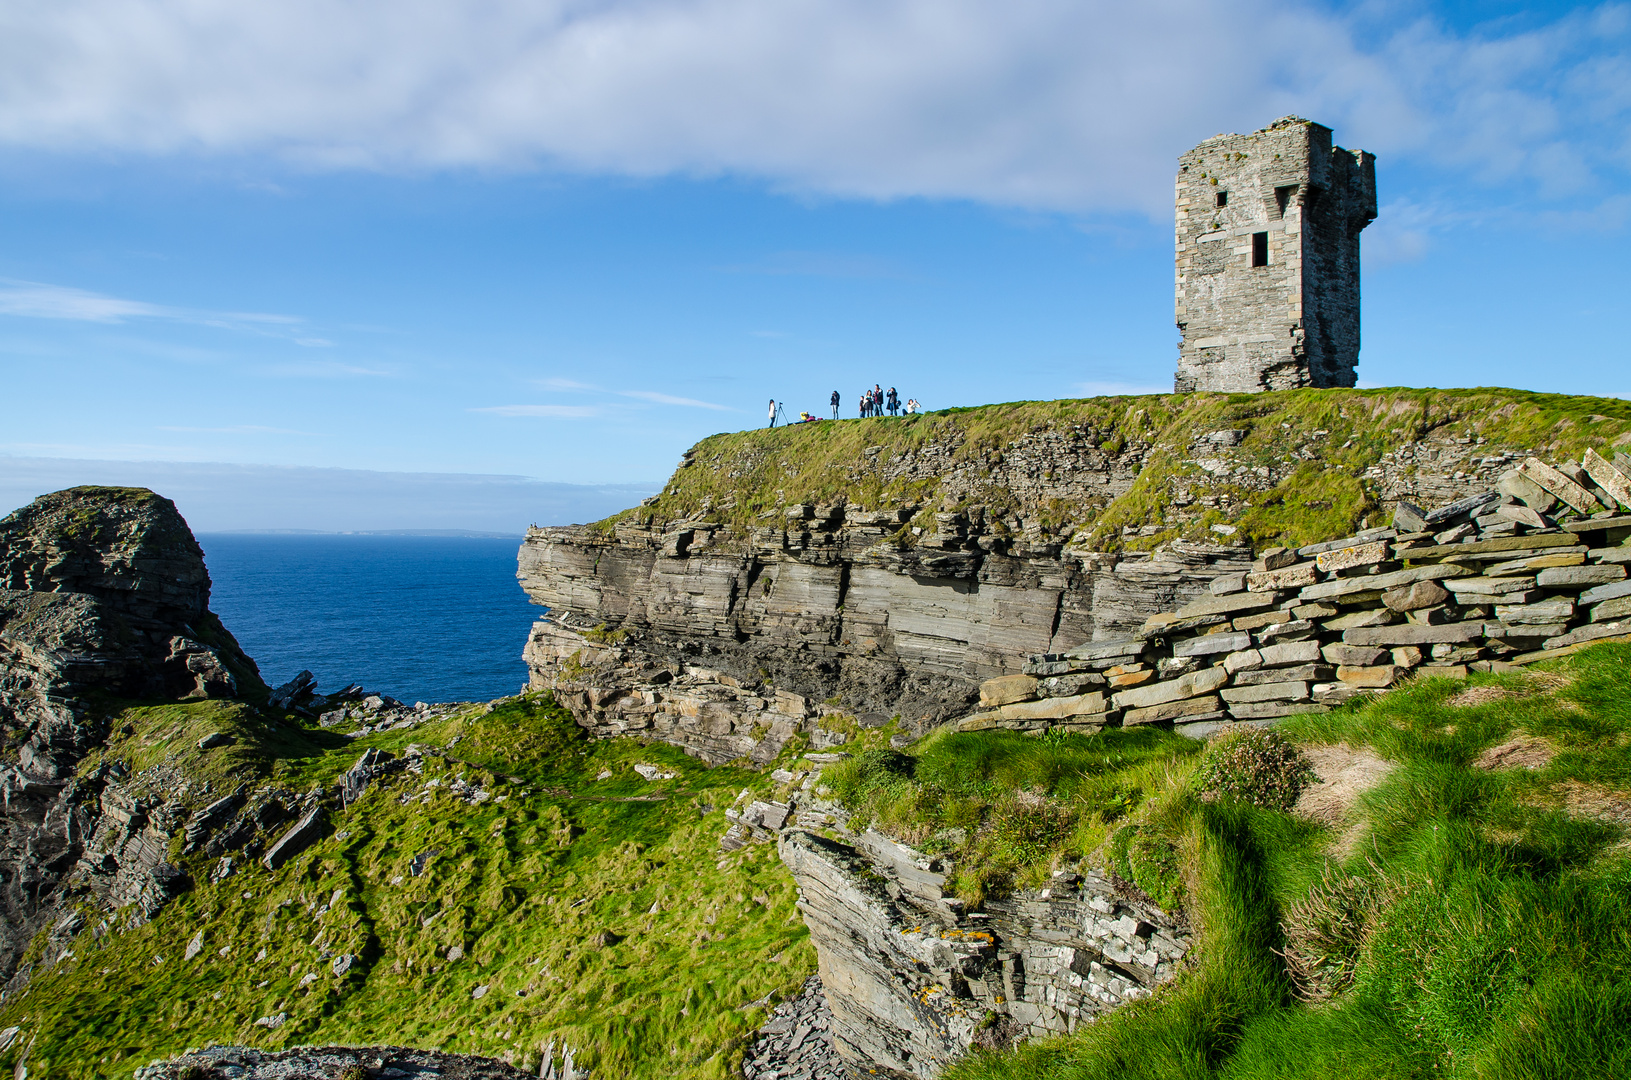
(1268, 259)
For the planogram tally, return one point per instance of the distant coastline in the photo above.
(475, 534)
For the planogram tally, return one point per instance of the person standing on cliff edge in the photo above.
(835, 404)
(772, 412)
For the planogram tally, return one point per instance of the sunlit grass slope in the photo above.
(599, 912)
(1465, 922)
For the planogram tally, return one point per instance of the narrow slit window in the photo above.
(1260, 249)
(1223, 198)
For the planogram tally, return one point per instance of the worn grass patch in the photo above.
(596, 911)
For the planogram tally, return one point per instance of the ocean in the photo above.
(417, 617)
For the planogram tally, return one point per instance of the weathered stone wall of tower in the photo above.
(1267, 275)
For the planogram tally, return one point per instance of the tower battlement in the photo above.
(1267, 283)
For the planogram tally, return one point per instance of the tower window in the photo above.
(1282, 197)
(1260, 249)
(1223, 198)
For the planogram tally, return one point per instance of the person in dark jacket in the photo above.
(894, 402)
(835, 404)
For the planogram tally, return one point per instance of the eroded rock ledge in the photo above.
(730, 653)
(913, 981)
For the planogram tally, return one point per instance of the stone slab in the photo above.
(1244, 660)
(1184, 686)
(1104, 650)
(1226, 605)
(1535, 563)
(1619, 555)
(1290, 577)
(1558, 609)
(1266, 710)
(1278, 691)
(1572, 494)
(1461, 508)
(1212, 644)
(1525, 490)
(1352, 655)
(1415, 596)
(301, 835)
(1606, 476)
(1565, 577)
(1536, 542)
(1599, 524)
(1373, 677)
(1290, 652)
(1058, 708)
(1374, 617)
(1519, 514)
(1308, 551)
(1008, 688)
(1172, 710)
(1339, 587)
(1611, 591)
(1491, 586)
(1586, 634)
(1413, 634)
(1617, 608)
(1265, 618)
(1301, 673)
(1348, 558)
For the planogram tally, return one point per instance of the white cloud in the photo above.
(1026, 102)
(561, 411)
(670, 399)
(36, 300)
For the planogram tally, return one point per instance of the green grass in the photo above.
(525, 883)
(1501, 946)
(1328, 438)
(1008, 807)
(1480, 927)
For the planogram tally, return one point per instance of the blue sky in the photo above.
(563, 240)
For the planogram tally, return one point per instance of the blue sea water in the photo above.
(419, 618)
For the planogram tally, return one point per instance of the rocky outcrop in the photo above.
(105, 596)
(913, 981)
(395, 1062)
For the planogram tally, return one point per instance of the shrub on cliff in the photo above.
(1255, 766)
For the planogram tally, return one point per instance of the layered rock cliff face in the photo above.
(105, 595)
(736, 610)
(914, 981)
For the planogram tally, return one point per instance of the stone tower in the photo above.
(1268, 259)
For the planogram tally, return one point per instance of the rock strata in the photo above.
(306, 1062)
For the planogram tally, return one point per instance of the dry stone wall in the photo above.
(1524, 572)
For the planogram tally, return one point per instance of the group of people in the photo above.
(877, 401)
(874, 402)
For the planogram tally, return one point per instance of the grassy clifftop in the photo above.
(1296, 474)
